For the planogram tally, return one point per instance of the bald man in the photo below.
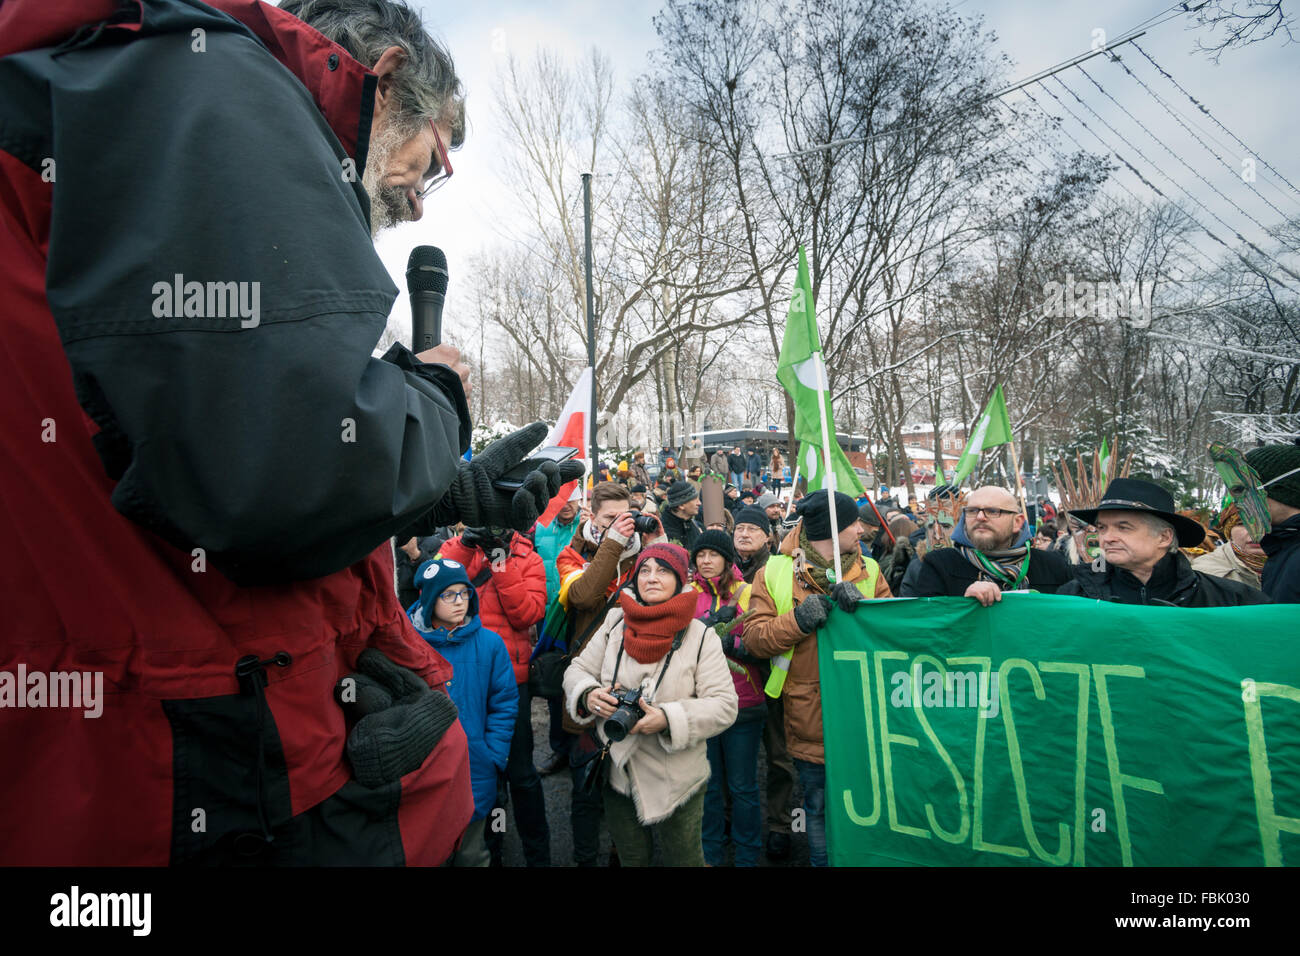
(991, 553)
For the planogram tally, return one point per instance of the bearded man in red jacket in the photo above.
(204, 660)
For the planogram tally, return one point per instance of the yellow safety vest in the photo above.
(780, 587)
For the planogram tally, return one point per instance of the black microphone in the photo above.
(426, 282)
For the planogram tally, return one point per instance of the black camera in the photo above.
(625, 715)
(645, 524)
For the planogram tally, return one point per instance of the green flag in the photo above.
(1105, 463)
(992, 429)
(801, 372)
(1026, 734)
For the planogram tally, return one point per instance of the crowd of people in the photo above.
(708, 618)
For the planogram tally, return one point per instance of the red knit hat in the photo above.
(673, 555)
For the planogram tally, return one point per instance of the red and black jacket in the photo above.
(182, 491)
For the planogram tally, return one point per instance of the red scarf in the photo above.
(648, 631)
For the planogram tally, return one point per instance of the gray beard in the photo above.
(388, 204)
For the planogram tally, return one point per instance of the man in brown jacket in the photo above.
(771, 633)
(592, 569)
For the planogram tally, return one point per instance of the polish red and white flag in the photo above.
(571, 431)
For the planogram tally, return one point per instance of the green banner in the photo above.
(1055, 730)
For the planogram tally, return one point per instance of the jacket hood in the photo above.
(959, 535)
(343, 92)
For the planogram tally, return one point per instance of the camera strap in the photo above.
(677, 642)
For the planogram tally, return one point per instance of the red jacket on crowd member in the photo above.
(513, 599)
(192, 453)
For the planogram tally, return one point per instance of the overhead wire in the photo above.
(1168, 149)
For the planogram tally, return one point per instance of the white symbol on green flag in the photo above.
(992, 429)
(802, 372)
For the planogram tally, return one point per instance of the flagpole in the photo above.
(794, 481)
(827, 461)
(1020, 488)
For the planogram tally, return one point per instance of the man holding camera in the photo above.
(508, 574)
(593, 569)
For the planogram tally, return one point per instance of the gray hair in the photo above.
(425, 86)
(1156, 525)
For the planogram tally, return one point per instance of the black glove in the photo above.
(721, 616)
(473, 500)
(812, 612)
(846, 595)
(400, 719)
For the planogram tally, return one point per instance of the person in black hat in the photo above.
(1278, 467)
(991, 554)
(678, 516)
(639, 499)
(1140, 533)
(790, 600)
(751, 538)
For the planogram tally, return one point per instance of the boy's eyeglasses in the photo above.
(453, 597)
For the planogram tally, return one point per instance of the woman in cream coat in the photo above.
(658, 773)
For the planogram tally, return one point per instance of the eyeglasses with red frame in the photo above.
(444, 165)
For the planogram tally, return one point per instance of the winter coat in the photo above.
(198, 473)
(486, 696)
(683, 531)
(768, 634)
(1172, 582)
(639, 475)
(659, 772)
(1223, 562)
(512, 599)
(550, 541)
(745, 672)
(590, 576)
(718, 462)
(754, 464)
(946, 572)
(736, 464)
(755, 564)
(1281, 580)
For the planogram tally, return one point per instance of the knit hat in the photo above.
(622, 466)
(1273, 461)
(766, 500)
(718, 541)
(680, 492)
(815, 509)
(434, 577)
(673, 555)
(638, 489)
(755, 516)
(867, 515)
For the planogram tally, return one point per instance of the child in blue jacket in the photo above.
(482, 685)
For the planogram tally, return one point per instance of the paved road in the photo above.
(558, 787)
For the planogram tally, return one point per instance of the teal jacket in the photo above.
(549, 543)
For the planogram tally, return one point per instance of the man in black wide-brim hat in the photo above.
(1140, 534)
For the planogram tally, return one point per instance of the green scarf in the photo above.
(820, 570)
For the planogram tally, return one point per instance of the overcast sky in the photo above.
(1251, 91)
